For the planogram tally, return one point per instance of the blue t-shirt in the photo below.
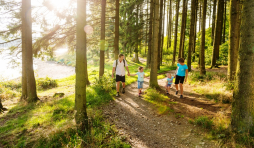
(170, 81)
(181, 69)
(141, 76)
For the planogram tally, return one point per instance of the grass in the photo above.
(212, 85)
(161, 101)
(50, 122)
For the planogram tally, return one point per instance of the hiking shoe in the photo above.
(123, 91)
(181, 97)
(117, 94)
(176, 92)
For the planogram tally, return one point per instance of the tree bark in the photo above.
(150, 42)
(102, 51)
(81, 69)
(202, 47)
(170, 23)
(242, 106)
(214, 18)
(182, 37)
(195, 30)
(162, 36)
(218, 32)
(31, 84)
(225, 20)
(234, 27)
(24, 79)
(191, 37)
(116, 45)
(160, 32)
(176, 27)
(137, 35)
(154, 52)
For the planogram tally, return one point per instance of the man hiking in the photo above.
(118, 67)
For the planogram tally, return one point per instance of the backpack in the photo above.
(117, 62)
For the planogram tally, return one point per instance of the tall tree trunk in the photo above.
(202, 47)
(102, 56)
(116, 45)
(200, 19)
(154, 52)
(195, 30)
(218, 32)
(150, 42)
(31, 84)
(182, 37)
(81, 69)
(234, 27)
(162, 36)
(24, 79)
(147, 25)
(176, 27)
(242, 106)
(137, 35)
(160, 32)
(170, 23)
(225, 20)
(214, 18)
(191, 37)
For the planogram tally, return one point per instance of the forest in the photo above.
(126, 73)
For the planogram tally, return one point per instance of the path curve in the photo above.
(137, 119)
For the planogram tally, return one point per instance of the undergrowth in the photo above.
(212, 86)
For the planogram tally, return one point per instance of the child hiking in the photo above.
(169, 82)
(141, 76)
(181, 75)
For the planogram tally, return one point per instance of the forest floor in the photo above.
(145, 126)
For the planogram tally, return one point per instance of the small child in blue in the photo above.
(141, 76)
(169, 82)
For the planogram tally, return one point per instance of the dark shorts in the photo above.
(169, 85)
(179, 79)
(120, 78)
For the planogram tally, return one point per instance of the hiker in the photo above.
(141, 76)
(181, 75)
(119, 67)
(169, 82)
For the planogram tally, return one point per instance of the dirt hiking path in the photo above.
(138, 121)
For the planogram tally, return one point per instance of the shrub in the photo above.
(105, 83)
(46, 83)
(204, 122)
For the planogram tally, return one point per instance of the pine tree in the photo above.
(234, 27)
(202, 47)
(116, 43)
(154, 52)
(218, 32)
(27, 32)
(102, 48)
(242, 106)
(81, 69)
(214, 18)
(191, 37)
(176, 27)
(182, 37)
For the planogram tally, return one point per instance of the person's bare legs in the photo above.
(168, 89)
(176, 85)
(123, 84)
(117, 86)
(181, 88)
